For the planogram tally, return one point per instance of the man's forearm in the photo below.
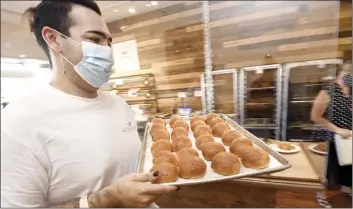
(100, 199)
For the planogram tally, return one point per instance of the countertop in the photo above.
(304, 172)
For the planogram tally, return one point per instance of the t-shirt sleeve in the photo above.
(24, 180)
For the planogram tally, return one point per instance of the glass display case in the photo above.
(260, 104)
(302, 82)
(225, 87)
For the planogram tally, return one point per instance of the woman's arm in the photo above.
(321, 102)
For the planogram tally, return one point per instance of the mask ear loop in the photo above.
(60, 51)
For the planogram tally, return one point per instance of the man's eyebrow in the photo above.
(99, 33)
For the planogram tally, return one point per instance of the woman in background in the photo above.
(332, 109)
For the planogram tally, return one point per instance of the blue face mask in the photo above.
(96, 64)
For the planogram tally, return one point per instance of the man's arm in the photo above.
(24, 180)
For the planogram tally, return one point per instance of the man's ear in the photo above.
(51, 37)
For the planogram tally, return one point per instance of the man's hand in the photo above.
(134, 190)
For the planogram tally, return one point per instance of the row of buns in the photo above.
(186, 161)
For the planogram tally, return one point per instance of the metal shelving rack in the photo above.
(234, 74)
(271, 125)
(303, 128)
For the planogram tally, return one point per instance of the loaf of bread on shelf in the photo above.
(229, 136)
(210, 149)
(255, 157)
(197, 118)
(167, 173)
(160, 134)
(173, 119)
(226, 163)
(179, 131)
(239, 146)
(181, 143)
(192, 167)
(215, 121)
(209, 117)
(181, 123)
(203, 139)
(196, 124)
(219, 129)
(202, 130)
(158, 121)
(186, 152)
(165, 156)
(160, 145)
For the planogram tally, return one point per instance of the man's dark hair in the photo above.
(54, 14)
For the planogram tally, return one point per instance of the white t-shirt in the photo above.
(56, 147)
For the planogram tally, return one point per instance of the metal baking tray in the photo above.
(277, 162)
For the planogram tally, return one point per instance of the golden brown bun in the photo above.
(173, 119)
(226, 163)
(186, 152)
(255, 158)
(209, 117)
(160, 135)
(219, 129)
(197, 118)
(155, 127)
(180, 138)
(215, 121)
(165, 156)
(203, 139)
(161, 145)
(210, 149)
(192, 167)
(202, 130)
(179, 131)
(167, 173)
(181, 143)
(181, 123)
(229, 136)
(239, 146)
(158, 121)
(196, 124)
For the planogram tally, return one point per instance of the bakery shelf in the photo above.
(300, 102)
(261, 88)
(302, 81)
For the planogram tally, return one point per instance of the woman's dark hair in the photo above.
(54, 14)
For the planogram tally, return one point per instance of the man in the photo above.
(69, 145)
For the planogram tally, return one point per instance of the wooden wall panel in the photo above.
(170, 40)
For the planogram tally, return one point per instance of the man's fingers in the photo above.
(157, 189)
(145, 177)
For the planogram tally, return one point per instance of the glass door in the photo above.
(302, 82)
(260, 93)
(225, 92)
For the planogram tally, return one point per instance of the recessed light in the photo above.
(22, 55)
(148, 5)
(154, 3)
(115, 10)
(132, 10)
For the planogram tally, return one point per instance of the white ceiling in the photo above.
(16, 40)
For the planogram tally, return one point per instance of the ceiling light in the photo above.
(154, 3)
(132, 10)
(22, 55)
(148, 5)
(115, 10)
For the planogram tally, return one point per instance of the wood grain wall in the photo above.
(170, 40)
